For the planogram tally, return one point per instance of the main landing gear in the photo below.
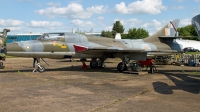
(122, 66)
(1, 65)
(39, 68)
(94, 63)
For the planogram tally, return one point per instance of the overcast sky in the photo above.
(38, 16)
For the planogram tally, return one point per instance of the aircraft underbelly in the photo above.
(138, 56)
(79, 55)
(55, 55)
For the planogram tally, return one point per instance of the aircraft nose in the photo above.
(26, 46)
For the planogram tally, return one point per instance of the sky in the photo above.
(40, 16)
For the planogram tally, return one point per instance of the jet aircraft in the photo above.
(72, 45)
(191, 43)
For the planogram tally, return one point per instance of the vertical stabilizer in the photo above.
(173, 27)
(196, 23)
(168, 30)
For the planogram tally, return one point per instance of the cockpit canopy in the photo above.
(51, 36)
(68, 37)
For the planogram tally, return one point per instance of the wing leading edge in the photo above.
(88, 50)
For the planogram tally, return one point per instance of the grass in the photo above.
(195, 73)
(11, 56)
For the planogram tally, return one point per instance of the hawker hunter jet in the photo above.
(73, 45)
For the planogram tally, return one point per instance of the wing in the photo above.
(91, 50)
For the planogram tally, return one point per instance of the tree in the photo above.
(106, 34)
(135, 33)
(188, 30)
(117, 28)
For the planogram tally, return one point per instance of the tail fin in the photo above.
(173, 29)
(195, 23)
(169, 29)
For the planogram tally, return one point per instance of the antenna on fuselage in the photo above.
(118, 36)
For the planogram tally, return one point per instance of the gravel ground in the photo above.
(65, 87)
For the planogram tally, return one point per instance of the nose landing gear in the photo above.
(39, 67)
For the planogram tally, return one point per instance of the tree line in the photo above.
(140, 33)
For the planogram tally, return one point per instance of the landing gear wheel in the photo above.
(41, 69)
(136, 67)
(120, 67)
(93, 64)
(101, 64)
(125, 68)
(1, 63)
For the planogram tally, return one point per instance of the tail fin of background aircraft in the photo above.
(169, 29)
(195, 23)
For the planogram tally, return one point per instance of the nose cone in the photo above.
(25, 46)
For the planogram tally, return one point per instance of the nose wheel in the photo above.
(39, 67)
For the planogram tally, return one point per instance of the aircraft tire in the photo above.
(41, 69)
(93, 64)
(120, 68)
(125, 68)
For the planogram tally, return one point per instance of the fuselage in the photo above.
(61, 45)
